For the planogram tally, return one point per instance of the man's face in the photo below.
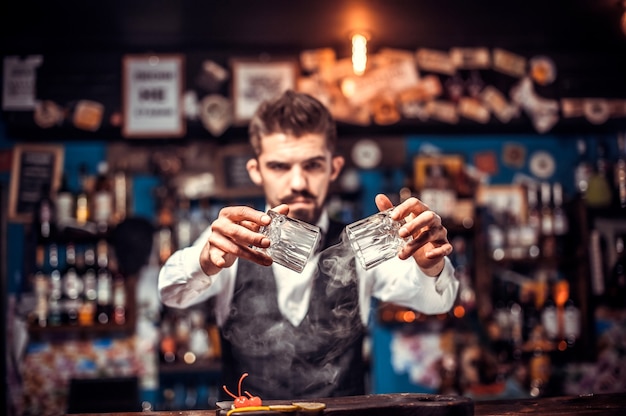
(296, 171)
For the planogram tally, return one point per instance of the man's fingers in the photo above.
(223, 252)
(240, 214)
(427, 220)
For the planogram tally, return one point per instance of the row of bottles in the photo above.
(187, 336)
(78, 285)
(536, 231)
(180, 221)
(536, 323)
(100, 202)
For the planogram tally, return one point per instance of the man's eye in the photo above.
(313, 166)
(278, 166)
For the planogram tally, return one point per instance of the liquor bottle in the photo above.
(55, 315)
(45, 218)
(82, 198)
(534, 216)
(183, 224)
(620, 170)
(599, 193)
(40, 289)
(65, 209)
(167, 346)
(539, 371)
(72, 286)
(182, 331)
(119, 299)
(561, 295)
(165, 234)
(547, 217)
(548, 245)
(104, 284)
(560, 224)
(102, 199)
(530, 230)
(199, 342)
(120, 195)
(572, 320)
(616, 282)
(88, 309)
(583, 169)
(530, 316)
(549, 317)
(508, 317)
(517, 324)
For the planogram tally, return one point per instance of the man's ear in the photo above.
(253, 171)
(337, 164)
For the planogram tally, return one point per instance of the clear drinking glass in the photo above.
(292, 241)
(375, 239)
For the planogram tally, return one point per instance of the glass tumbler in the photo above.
(291, 241)
(375, 239)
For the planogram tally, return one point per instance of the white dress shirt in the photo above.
(182, 283)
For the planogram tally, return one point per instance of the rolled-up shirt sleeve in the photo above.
(182, 283)
(181, 280)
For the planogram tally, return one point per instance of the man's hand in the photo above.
(430, 242)
(234, 234)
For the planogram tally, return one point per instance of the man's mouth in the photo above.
(299, 200)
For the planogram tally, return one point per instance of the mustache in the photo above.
(296, 195)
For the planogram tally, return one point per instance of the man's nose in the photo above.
(298, 179)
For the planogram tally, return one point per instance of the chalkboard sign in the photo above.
(236, 174)
(36, 168)
(232, 175)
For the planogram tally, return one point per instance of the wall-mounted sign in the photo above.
(255, 82)
(36, 169)
(18, 84)
(152, 91)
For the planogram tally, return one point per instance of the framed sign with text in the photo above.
(36, 169)
(255, 82)
(152, 90)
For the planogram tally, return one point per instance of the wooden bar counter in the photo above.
(404, 404)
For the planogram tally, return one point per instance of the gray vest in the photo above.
(321, 357)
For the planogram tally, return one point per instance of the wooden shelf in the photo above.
(209, 366)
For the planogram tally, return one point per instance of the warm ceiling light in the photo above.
(359, 53)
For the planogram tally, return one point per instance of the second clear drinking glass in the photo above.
(375, 239)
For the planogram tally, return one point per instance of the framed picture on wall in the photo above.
(36, 172)
(255, 82)
(152, 87)
(438, 172)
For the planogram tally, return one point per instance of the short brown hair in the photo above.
(292, 113)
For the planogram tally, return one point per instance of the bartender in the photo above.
(300, 335)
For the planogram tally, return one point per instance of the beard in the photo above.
(306, 215)
(311, 215)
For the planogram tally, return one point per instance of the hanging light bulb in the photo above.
(359, 53)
